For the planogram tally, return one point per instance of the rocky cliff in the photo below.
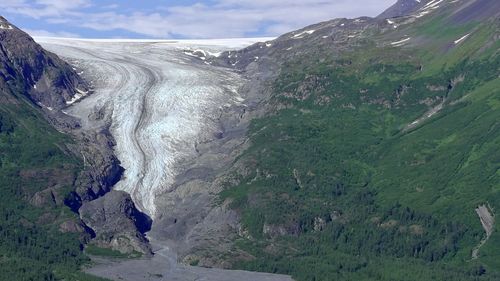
(30, 74)
(41, 76)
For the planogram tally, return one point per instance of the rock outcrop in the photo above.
(117, 223)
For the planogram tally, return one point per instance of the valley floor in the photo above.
(163, 267)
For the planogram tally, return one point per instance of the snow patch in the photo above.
(78, 96)
(400, 42)
(461, 39)
(46, 107)
(428, 8)
(432, 4)
(201, 54)
(7, 26)
(300, 35)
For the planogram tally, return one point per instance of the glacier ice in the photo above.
(160, 103)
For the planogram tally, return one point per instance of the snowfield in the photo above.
(159, 101)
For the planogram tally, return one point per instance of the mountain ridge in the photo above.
(431, 43)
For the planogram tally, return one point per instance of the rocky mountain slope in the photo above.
(383, 133)
(41, 76)
(375, 164)
(365, 116)
(51, 172)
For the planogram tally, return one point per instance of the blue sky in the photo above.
(178, 18)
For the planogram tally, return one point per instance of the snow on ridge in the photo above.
(7, 26)
(432, 4)
(428, 8)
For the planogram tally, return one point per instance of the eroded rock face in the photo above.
(43, 77)
(117, 223)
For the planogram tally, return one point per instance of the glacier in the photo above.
(160, 102)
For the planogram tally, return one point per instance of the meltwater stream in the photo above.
(159, 103)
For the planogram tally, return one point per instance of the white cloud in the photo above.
(44, 8)
(222, 18)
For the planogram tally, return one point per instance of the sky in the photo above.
(178, 19)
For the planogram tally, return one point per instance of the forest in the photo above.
(33, 158)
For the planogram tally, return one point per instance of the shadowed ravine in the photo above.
(159, 104)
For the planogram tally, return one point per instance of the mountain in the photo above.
(355, 149)
(41, 76)
(405, 7)
(39, 236)
(45, 176)
(470, 9)
(372, 147)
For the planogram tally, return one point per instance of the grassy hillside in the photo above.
(377, 162)
(36, 173)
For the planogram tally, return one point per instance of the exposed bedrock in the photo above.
(116, 211)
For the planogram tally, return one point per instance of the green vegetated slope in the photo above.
(35, 170)
(341, 184)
